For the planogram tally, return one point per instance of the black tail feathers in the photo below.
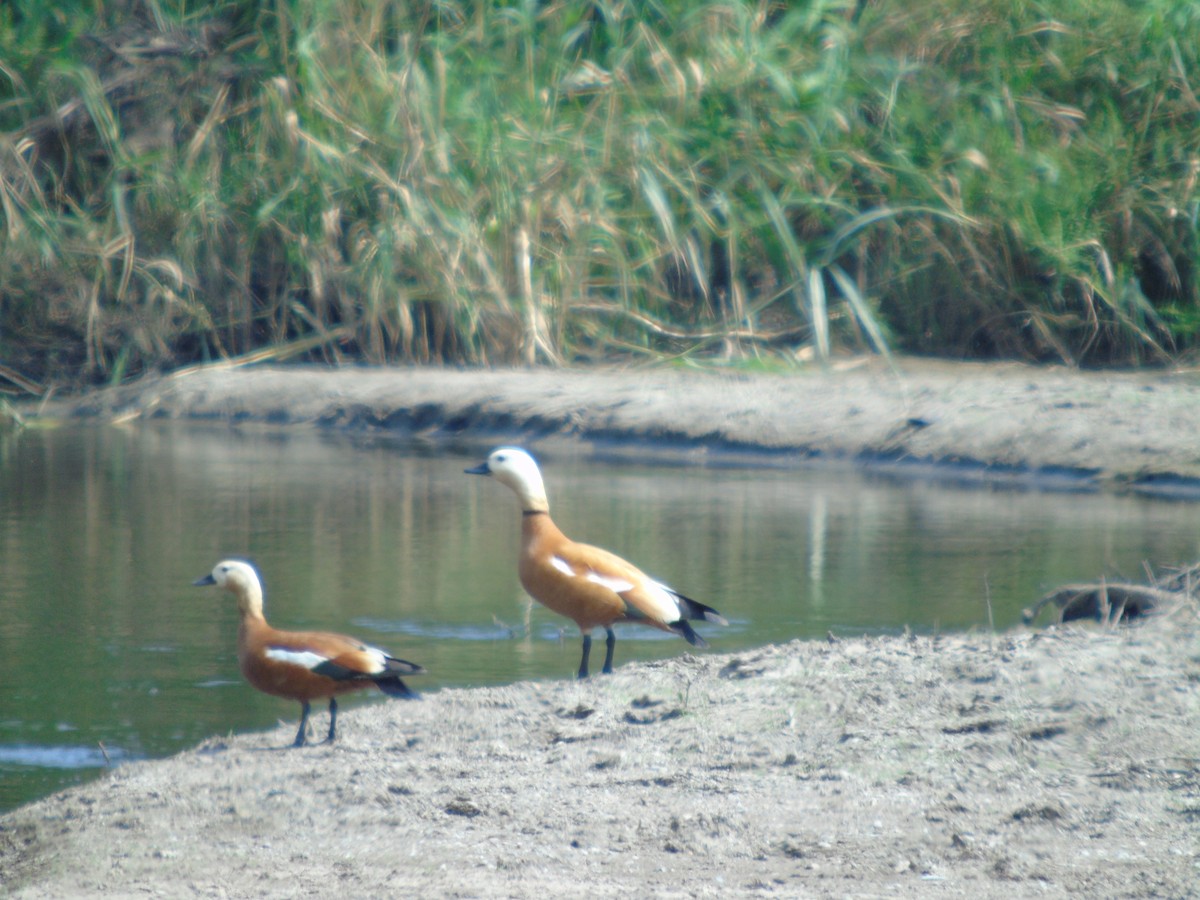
(390, 683)
(690, 609)
(694, 610)
(393, 686)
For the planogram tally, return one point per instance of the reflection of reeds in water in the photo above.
(547, 182)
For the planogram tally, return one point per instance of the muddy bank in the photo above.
(1004, 424)
(1055, 764)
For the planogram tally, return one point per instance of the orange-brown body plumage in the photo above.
(303, 665)
(589, 585)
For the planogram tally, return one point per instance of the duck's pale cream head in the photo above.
(240, 579)
(516, 468)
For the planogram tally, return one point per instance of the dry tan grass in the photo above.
(565, 181)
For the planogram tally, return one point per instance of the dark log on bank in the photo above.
(1103, 602)
(1185, 580)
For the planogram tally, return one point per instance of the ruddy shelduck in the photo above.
(303, 665)
(592, 586)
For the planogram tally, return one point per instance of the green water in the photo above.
(107, 649)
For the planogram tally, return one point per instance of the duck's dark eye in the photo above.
(501, 458)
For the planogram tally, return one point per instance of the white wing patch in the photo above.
(378, 659)
(309, 660)
(616, 585)
(303, 658)
(663, 601)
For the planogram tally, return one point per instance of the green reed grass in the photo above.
(552, 181)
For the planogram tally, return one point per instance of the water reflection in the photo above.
(60, 757)
(102, 531)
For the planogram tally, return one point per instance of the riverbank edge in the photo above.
(991, 425)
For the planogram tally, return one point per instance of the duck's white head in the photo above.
(240, 579)
(516, 468)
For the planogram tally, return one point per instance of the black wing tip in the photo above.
(404, 667)
(395, 687)
(688, 633)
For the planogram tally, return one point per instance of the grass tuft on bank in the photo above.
(544, 182)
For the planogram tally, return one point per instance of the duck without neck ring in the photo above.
(592, 586)
(303, 665)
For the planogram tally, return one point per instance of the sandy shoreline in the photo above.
(995, 423)
(1058, 764)
(1053, 762)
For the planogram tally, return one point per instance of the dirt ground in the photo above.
(1054, 761)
